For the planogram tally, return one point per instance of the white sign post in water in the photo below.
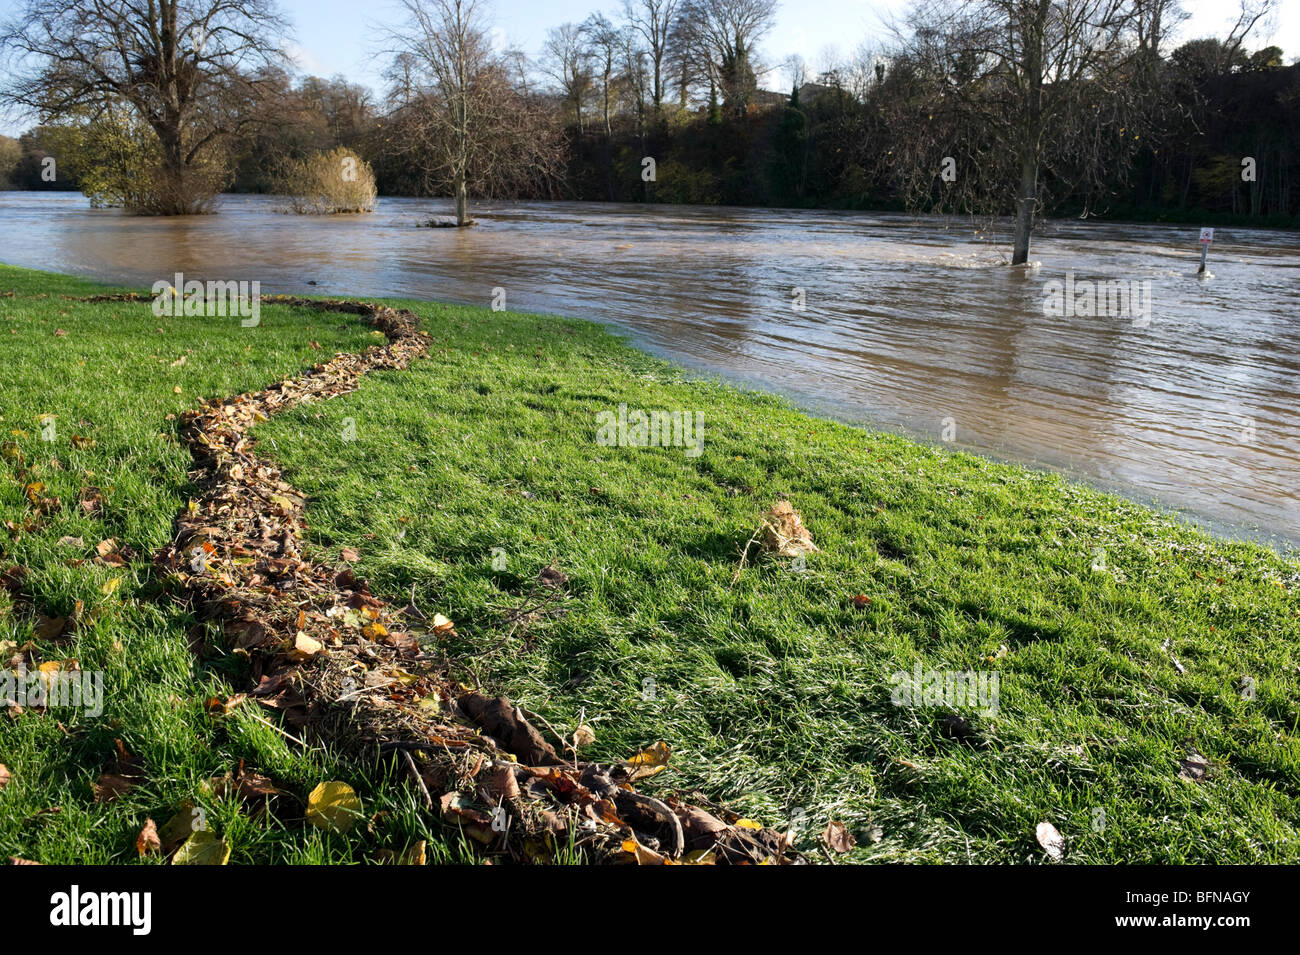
(1207, 236)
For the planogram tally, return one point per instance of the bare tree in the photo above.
(400, 76)
(1250, 14)
(188, 69)
(1011, 89)
(565, 59)
(690, 61)
(730, 31)
(603, 45)
(521, 68)
(797, 67)
(1227, 55)
(865, 70)
(460, 117)
(654, 20)
(1156, 19)
(635, 74)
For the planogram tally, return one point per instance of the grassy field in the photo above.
(1131, 653)
(112, 375)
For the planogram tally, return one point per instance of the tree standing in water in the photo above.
(1001, 96)
(456, 112)
(189, 72)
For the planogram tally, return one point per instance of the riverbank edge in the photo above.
(821, 409)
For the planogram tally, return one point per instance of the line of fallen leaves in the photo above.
(336, 664)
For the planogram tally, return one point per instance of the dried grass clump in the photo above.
(781, 532)
(784, 532)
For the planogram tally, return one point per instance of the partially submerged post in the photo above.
(1207, 236)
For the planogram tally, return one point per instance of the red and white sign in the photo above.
(1207, 236)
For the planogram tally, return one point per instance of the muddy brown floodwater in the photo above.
(1191, 399)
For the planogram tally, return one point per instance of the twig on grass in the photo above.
(745, 556)
(265, 722)
(419, 780)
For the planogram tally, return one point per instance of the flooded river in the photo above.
(1189, 396)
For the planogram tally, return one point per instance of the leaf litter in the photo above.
(340, 665)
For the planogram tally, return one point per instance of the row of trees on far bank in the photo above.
(980, 107)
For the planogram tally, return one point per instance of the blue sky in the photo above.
(339, 36)
(327, 30)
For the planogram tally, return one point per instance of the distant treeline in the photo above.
(828, 146)
(825, 144)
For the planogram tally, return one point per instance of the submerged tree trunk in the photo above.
(462, 200)
(1025, 202)
(1033, 37)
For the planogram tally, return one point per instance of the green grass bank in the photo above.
(1148, 676)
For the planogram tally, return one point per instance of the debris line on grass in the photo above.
(341, 666)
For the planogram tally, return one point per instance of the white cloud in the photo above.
(305, 60)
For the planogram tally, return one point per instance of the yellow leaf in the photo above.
(180, 826)
(649, 761)
(111, 585)
(204, 847)
(431, 704)
(644, 856)
(304, 647)
(414, 855)
(48, 672)
(333, 805)
(748, 824)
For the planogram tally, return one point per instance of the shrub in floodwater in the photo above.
(328, 183)
(117, 162)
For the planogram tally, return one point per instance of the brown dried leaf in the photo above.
(642, 854)
(1194, 766)
(838, 838)
(304, 647)
(110, 787)
(147, 842)
(49, 628)
(552, 577)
